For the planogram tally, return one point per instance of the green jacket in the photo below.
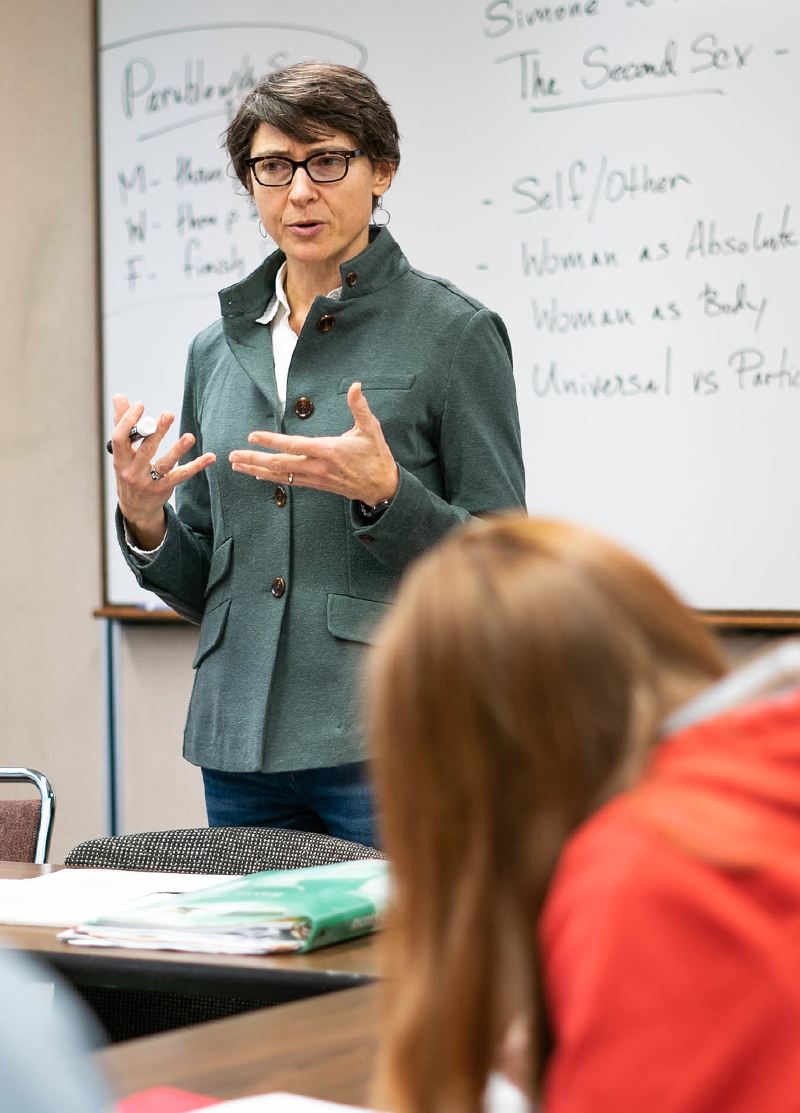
(276, 686)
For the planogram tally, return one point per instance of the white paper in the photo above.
(154, 940)
(284, 1103)
(70, 896)
(500, 1097)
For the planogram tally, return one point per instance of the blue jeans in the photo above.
(335, 801)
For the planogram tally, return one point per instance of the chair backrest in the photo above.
(217, 850)
(26, 825)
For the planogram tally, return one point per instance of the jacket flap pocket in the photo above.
(380, 382)
(220, 563)
(211, 631)
(356, 620)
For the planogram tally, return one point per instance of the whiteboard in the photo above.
(618, 178)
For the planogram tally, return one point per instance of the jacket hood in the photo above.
(728, 788)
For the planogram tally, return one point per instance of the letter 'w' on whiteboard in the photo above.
(625, 196)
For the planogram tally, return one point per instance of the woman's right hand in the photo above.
(141, 497)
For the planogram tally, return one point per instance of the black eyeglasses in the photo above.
(328, 166)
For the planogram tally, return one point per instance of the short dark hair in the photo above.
(309, 100)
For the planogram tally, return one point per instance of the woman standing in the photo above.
(595, 840)
(340, 418)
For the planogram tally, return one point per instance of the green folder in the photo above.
(278, 910)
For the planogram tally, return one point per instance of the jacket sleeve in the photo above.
(480, 453)
(178, 571)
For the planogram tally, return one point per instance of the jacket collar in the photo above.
(279, 300)
(377, 266)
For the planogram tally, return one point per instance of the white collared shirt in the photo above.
(283, 337)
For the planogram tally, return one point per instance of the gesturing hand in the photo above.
(358, 464)
(141, 498)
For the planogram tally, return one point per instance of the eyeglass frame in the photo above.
(250, 163)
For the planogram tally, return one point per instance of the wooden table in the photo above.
(324, 1048)
(249, 977)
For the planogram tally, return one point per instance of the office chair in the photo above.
(217, 850)
(126, 1013)
(26, 825)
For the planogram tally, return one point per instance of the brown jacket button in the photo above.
(326, 322)
(366, 537)
(304, 407)
(278, 587)
(351, 279)
(279, 494)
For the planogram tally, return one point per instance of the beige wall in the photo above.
(51, 692)
(158, 789)
(49, 558)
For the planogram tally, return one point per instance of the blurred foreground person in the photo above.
(44, 1046)
(596, 838)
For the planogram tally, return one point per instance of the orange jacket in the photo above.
(671, 934)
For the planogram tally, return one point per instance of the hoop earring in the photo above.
(262, 231)
(380, 209)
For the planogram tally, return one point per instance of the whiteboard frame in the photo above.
(727, 620)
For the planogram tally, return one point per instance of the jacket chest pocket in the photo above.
(380, 382)
(393, 401)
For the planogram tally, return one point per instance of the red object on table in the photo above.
(164, 1099)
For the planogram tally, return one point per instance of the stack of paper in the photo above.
(279, 910)
(73, 895)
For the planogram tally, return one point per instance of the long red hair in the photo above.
(520, 682)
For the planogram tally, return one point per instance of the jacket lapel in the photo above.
(249, 342)
(251, 346)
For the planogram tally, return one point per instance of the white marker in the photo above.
(143, 428)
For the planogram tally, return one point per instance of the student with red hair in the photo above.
(595, 836)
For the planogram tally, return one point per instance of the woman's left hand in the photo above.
(358, 464)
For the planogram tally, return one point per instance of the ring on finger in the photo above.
(155, 475)
(291, 477)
